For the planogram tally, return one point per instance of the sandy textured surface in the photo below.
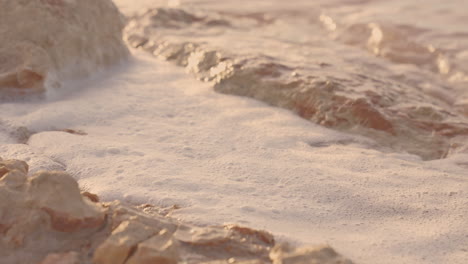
(149, 133)
(156, 136)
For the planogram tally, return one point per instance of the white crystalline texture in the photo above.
(45, 219)
(47, 41)
(333, 89)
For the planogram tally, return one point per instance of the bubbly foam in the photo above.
(404, 101)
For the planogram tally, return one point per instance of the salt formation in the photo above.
(45, 219)
(334, 88)
(46, 41)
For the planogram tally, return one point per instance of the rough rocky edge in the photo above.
(335, 90)
(47, 41)
(46, 219)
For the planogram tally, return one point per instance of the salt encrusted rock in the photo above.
(11, 165)
(62, 258)
(160, 248)
(42, 214)
(119, 213)
(284, 254)
(123, 240)
(91, 196)
(335, 91)
(60, 39)
(45, 219)
(233, 241)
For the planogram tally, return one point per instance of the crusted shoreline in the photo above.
(395, 111)
(46, 219)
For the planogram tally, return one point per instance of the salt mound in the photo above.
(45, 219)
(46, 41)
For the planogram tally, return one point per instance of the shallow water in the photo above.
(374, 68)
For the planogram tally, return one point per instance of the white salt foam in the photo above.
(155, 135)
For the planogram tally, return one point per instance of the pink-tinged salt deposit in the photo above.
(335, 86)
(147, 132)
(154, 135)
(47, 41)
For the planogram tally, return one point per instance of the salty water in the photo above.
(394, 71)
